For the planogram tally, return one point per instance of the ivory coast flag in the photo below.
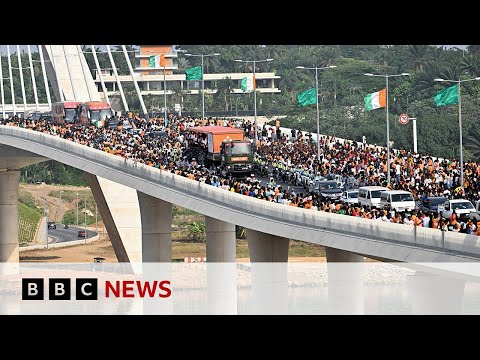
(156, 61)
(376, 100)
(248, 83)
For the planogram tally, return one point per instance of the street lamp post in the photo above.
(459, 119)
(77, 209)
(61, 207)
(203, 80)
(316, 91)
(85, 219)
(386, 110)
(254, 93)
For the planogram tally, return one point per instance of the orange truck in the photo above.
(226, 148)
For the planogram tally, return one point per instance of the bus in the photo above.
(98, 111)
(64, 112)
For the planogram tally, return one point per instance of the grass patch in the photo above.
(27, 199)
(28, 219)
(70, 195)
(178, 210)
(303, 249)
(70, 217)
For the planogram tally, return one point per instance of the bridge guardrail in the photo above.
(273, 218)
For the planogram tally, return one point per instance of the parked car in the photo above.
(430, 204)
(82, 233)
(398, 200)
(369, 196)
(46, 116)
(461, 206)
(36, 115)
(475, 215)
(51, 225)
(328, 190)
(156, 134)
(350, 197)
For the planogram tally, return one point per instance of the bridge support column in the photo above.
(345, 282)
(9, 181)
(221, 240)
(431, 294)
(221, 266)
(264, 247)
(269, 264)
(118, 205)
(156, 218)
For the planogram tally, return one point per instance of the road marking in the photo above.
(52, 242)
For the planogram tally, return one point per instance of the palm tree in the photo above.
(473, 143)
(224, 89)
(182, 64)
(474, 49)
(426, 78)
(420, 55)
(471, 64)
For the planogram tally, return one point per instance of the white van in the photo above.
(369, 196)
(398, 200)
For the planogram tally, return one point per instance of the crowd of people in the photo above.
(295, 153)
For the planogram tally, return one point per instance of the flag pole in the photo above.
(318, 115)
(460, 125)
(203, 93)
(165, 94)
(388, 133)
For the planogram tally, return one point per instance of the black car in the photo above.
(328, 190)
(155, 134)
(113, 124)
(36, 115)
(51, 225)
(46, 116)
(430, 204)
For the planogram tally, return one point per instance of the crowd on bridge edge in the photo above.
(286, 157)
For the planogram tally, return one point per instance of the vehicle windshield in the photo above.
(69, 114)
(462, 205)
(327, 186)
(353, 195)
(402, 197)
(376, 194)
(106, 113)
(95, 115)
(238, 148)
(436, 201)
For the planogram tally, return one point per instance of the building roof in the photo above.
(215, 130)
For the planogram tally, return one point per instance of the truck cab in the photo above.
(223, 147)
(236, 156)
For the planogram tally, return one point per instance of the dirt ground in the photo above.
(103, 248)
(55, 208)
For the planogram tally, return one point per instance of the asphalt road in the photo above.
(63, 235)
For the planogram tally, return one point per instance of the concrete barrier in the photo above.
(375, 238)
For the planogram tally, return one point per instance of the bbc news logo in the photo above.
(87, 289)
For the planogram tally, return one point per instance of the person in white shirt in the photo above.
(409, 220)
(426, 221)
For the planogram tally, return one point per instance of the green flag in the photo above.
(447, 96)
(194, 73)
(307, 97)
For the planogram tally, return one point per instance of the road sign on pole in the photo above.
(404, 119)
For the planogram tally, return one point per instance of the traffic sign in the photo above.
(404, 119)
